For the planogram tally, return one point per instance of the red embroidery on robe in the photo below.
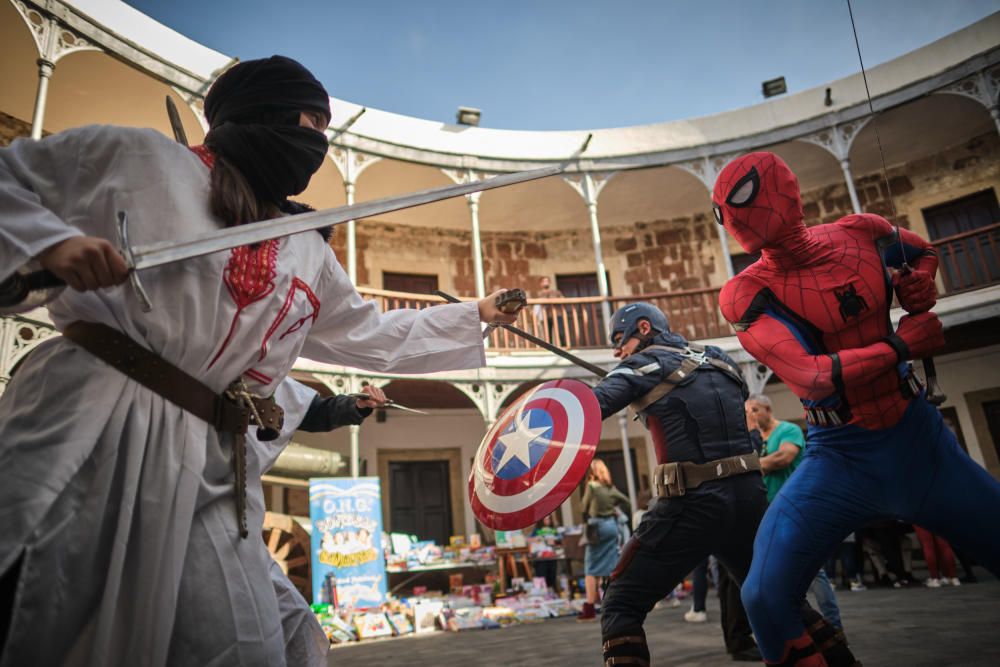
(205, 154)
(297, 284)
(259, 377)
(249, 277)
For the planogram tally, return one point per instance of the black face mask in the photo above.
(277, 160)
(253, 110)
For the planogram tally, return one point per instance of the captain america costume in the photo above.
(699, 421)
(815, 309)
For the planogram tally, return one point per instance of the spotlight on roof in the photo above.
(468, 116)
(774, 87)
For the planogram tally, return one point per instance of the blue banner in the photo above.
(348, 565)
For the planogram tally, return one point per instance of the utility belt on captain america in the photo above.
(229, 412)
(675, 479)
(839, 415)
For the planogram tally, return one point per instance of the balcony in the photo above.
(968, 261)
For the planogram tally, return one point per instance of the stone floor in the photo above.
(892, 628)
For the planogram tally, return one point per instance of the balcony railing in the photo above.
(969, 260)
(579, 323)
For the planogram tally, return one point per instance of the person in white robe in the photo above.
(117, 506)
(306, 645)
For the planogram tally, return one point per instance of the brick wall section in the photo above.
(11, 128)
(971, 166)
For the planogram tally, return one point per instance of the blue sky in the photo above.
(566, 64)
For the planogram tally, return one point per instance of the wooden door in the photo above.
(420, 500)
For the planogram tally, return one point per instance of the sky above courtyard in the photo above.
(566, 64)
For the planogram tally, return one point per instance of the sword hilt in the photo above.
(18, 288)
(934, 395)
(511, 301)
(133, 276)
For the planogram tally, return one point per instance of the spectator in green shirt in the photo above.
(783, 444)
(780, 450)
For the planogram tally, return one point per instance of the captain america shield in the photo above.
(535, 454)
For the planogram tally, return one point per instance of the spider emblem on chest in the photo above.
(852, 304)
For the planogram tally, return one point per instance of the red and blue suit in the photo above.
(815, 310)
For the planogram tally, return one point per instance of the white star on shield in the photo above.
(517, 442)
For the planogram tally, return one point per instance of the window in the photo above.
(413, 283)
(991, 410)
(969, 236)
(743, 260)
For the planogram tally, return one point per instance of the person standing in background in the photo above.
(600, 502)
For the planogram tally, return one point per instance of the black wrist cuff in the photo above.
(899, 345)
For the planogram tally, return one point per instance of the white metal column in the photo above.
(477, 246)
(845, 166)
(45, 69)
(590, 194)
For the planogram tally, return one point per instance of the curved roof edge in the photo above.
(672, 136)
(149, 34)
(459, 146)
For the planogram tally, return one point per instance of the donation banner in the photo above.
(348, 565)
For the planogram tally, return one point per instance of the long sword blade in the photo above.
(389, 403)
(554, 349)
(167, 252)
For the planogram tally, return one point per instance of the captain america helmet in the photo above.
(625, 322)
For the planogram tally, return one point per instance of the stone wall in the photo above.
(969, 167)
(11, 128)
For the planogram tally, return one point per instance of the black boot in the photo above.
(626, 648)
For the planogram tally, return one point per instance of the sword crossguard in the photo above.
(133, 276)
(511, 301)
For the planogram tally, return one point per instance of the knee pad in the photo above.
(801, 652)
(626, 648)
(830, 641)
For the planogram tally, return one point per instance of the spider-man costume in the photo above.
(815, 309)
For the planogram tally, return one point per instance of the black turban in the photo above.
(253, 112)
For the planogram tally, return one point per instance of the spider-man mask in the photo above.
(756, 198)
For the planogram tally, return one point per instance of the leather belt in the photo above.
(230, 412)
(820, 416)
(675, 479)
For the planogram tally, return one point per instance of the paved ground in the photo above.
(893, 628)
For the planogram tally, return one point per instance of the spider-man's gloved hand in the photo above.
(917, 336)
(916, 290)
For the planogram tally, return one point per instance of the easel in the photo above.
(510, 558)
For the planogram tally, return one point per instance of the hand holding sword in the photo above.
(373, 397)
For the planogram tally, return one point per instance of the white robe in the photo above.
(306, 645)
(120, 502)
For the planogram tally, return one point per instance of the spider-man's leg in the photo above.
(946, 491)
(827, 498)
